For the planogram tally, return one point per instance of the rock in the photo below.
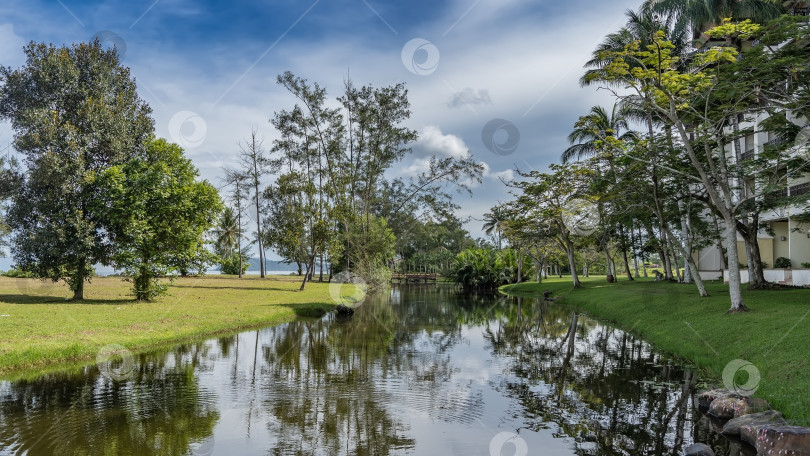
(732, 407)
(698, 449)
(707, 397)
(733, 427)
(783, 440)
(344, 310)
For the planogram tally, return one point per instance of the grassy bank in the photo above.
(774, 336)
(38, 326)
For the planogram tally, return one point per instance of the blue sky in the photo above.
(208, 68)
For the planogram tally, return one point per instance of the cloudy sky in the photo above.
(494, 78)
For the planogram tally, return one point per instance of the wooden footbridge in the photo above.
(414, 277)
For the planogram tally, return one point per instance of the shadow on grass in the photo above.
(243, 288)
(32, 299)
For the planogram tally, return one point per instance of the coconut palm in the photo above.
(592, 130)
(697, 16)
(493, 223)
(227, 233)
(641, 26)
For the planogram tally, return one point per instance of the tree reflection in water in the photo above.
(421, 370)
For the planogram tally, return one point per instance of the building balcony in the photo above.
(747, 155)
(801, 189)
(775, 142)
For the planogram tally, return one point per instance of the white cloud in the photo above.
(506, 175)
(433, 142)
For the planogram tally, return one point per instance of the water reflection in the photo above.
(424, 370)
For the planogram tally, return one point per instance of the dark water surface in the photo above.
(417, 371)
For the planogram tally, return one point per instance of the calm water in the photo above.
(420, 371)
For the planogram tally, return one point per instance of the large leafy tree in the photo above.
(158, 212)
(698, 16)
(75, 111)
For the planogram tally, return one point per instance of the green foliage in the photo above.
(17, 274)
(75, 111)
(230, 264)
(782, 263)
(158, 213)
(488, 269)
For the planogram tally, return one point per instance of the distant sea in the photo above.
(271, 267)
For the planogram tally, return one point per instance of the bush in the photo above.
(230, 265)
(806, 265)
(782, 263)
(17, 274)
(488, 269)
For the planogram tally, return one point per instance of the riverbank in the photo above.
(39, 327)
(774, 336)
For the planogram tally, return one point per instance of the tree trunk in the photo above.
(78, 292)
(692, 266)
(624, 254)
(734, 280)
(748, 230)
(569, 251)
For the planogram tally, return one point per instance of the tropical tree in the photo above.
(493, 224)
(698, 16)
(158, 212)
(75, 112)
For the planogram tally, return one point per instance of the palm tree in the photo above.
(493, 223)
(227, 233)
(697, 16)
(591, 131)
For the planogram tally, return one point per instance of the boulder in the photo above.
(698, 449)
(733, 427)
(707, 397)
(732, 407)
(783, 440)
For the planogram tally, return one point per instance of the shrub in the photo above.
(17, 274)
(489, 269)
(230, 265)
(806, 265)
(782, 262)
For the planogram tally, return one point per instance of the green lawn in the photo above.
(774, 336)
(38, 326)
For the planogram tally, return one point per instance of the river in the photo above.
(419, 370)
